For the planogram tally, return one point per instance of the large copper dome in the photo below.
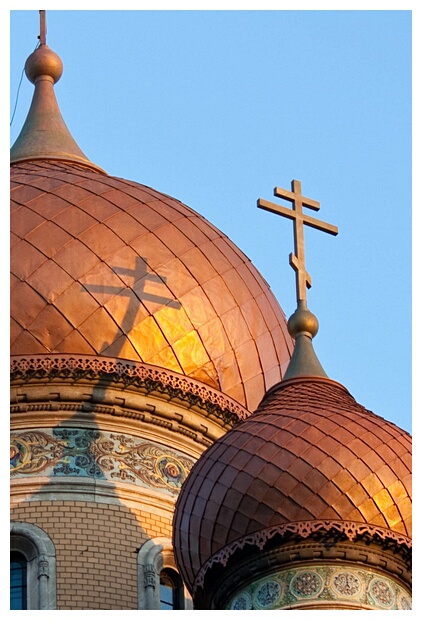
(105, 266)
(310, 457)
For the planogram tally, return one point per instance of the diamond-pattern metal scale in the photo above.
(310, 452)
(105, 266)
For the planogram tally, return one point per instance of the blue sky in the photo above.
(216, 108)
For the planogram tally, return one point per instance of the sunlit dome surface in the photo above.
(105, 266)
(310, 454)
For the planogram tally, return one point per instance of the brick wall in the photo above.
(96, 549)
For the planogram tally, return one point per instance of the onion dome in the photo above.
(103, 266)
(311, 478)
(310, 459)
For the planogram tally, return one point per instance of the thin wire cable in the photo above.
(17, 97)
(19, 87)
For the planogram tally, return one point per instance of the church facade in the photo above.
(175, 443)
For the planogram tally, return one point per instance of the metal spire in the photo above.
(44, 135)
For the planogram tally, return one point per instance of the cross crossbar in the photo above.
(297, 260)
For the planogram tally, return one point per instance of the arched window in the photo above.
(171, 589)
(32, 568)
(18, 582)
(159, 583)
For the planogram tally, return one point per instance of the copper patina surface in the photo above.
(105, 266)
(310, 453)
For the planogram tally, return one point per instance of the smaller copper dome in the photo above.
(310, 452)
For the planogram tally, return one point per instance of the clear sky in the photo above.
(216, 108)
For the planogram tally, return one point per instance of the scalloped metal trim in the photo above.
(304, 529)
(151, 378)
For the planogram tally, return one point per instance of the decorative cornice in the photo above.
(351, 530)
(142, 376)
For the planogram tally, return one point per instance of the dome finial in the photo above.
(45, 135)
(43, 61)
(302, 325)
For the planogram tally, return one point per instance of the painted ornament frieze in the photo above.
(89, 453)
(336, 587)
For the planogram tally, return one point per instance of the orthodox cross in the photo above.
(43, 28)
(297, 260)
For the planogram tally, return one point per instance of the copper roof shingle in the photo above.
(110, 267)
(301, 456)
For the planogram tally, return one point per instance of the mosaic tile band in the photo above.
(343, 586)
(88, 453)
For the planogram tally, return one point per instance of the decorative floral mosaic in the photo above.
(336, 585)
(86, 453)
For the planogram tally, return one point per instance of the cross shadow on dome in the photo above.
(141, 276)
(136, 293)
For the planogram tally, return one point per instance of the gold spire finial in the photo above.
(297, 260)
(302, 325)
(43, 29)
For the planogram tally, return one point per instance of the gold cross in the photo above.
(43, 28)
(297, 260)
